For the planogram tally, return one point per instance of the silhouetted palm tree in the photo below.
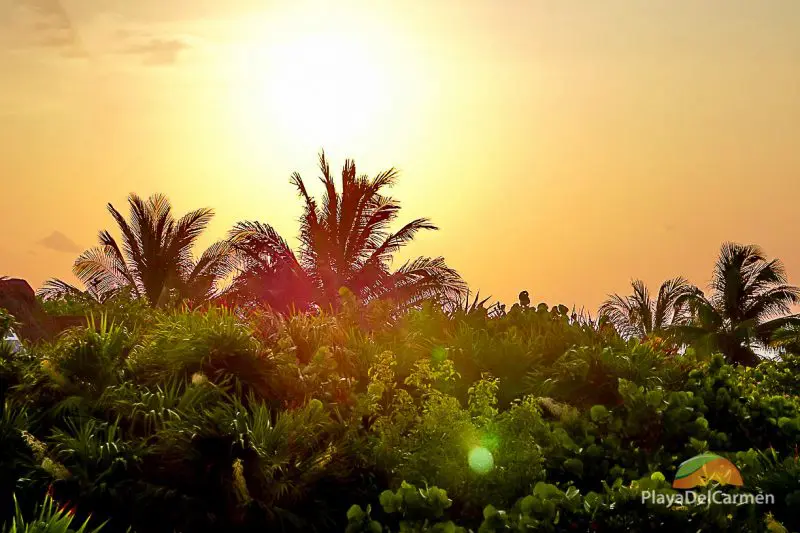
(750, 300)
(345, 242)
(56, 289)
(154, 260)
(638, 315)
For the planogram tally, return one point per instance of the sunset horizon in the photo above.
(59, 244)
(579, 148)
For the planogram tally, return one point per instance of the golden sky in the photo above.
(563, 147)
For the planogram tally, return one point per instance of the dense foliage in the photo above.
(366, 420)
(257, 389)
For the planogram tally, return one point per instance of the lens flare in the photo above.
(481, 460)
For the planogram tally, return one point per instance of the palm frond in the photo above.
(423, 279)
(100, 270)
(155, 258)
(638, 315)
(397, 240)
(56, 289)
(749, 302)
(670, 306)
(619, 311)
(345, 242)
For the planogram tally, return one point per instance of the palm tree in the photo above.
(638, 315)
(750, 300)
(345, 242)
(155, 259)
(787, 338)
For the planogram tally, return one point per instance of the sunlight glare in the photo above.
(324, 89)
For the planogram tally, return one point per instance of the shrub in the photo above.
(206, 420)
(50, 519)
(90, 359)
(214, 342)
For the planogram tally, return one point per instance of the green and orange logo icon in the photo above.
(702, 469)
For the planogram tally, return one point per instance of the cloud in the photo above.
(159, 51)
(43, 24)
(59, 242)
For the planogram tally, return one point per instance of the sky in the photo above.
(563, 147)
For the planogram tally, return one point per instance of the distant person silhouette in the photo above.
(524, 299)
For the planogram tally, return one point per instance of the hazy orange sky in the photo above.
(563, 147)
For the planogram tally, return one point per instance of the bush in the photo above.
(205, 420)
(215, 343)
(50, 519)
(90, 359)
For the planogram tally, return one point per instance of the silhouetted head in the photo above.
(524, 300)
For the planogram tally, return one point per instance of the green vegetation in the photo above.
(346, 396)
(200, 420)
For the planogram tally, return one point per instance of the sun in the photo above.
(319, 89)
